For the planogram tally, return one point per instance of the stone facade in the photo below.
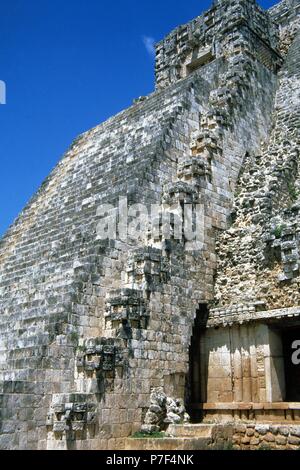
(265, 437)
(90, 327)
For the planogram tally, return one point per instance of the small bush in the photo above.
(278, 231)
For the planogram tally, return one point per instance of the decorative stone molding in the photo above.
(202, 57)
(285, 246)
(227, 29)
(127, 307)
(206, 142)
(71, 413)
(220, 98)
(181, 191)
(101, 355)
(194, 170)
(148, 269)
(240, 314)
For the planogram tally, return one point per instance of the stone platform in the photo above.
(281, 412)
(186, 437)
(230, 436)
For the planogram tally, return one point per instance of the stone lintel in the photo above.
(239, 315)
(246, 406)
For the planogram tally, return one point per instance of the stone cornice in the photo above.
(241, 314)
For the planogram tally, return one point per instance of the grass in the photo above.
(74, 336)
(144, 435)
(278, 231)
(293, 192)
(228, 446)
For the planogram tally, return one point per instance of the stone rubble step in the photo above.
(168, 444)
(191, 430)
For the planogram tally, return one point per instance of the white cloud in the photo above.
(149, 44)
(2, 92)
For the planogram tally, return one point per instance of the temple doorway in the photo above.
(196, 392)
(290, 338)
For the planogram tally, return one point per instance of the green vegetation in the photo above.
(74, 337)
(278, 231)
(294, 194)
(144, 435)
(228, 446)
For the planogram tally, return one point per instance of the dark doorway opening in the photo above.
(196, 389)
(292, 369)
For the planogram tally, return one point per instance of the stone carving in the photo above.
(71, 413)
(127, 308)
(163, 410)
(147, 269)
(101, 355)
(111, 320)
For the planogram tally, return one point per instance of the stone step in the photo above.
(191, 430)
(168, 443)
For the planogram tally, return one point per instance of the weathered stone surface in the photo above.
(89, 327)
(270, 438)
(162, 412)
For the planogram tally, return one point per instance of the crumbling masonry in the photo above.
(90, 327)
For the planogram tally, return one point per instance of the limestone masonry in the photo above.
(101, 338)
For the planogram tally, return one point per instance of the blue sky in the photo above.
(69, 65)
